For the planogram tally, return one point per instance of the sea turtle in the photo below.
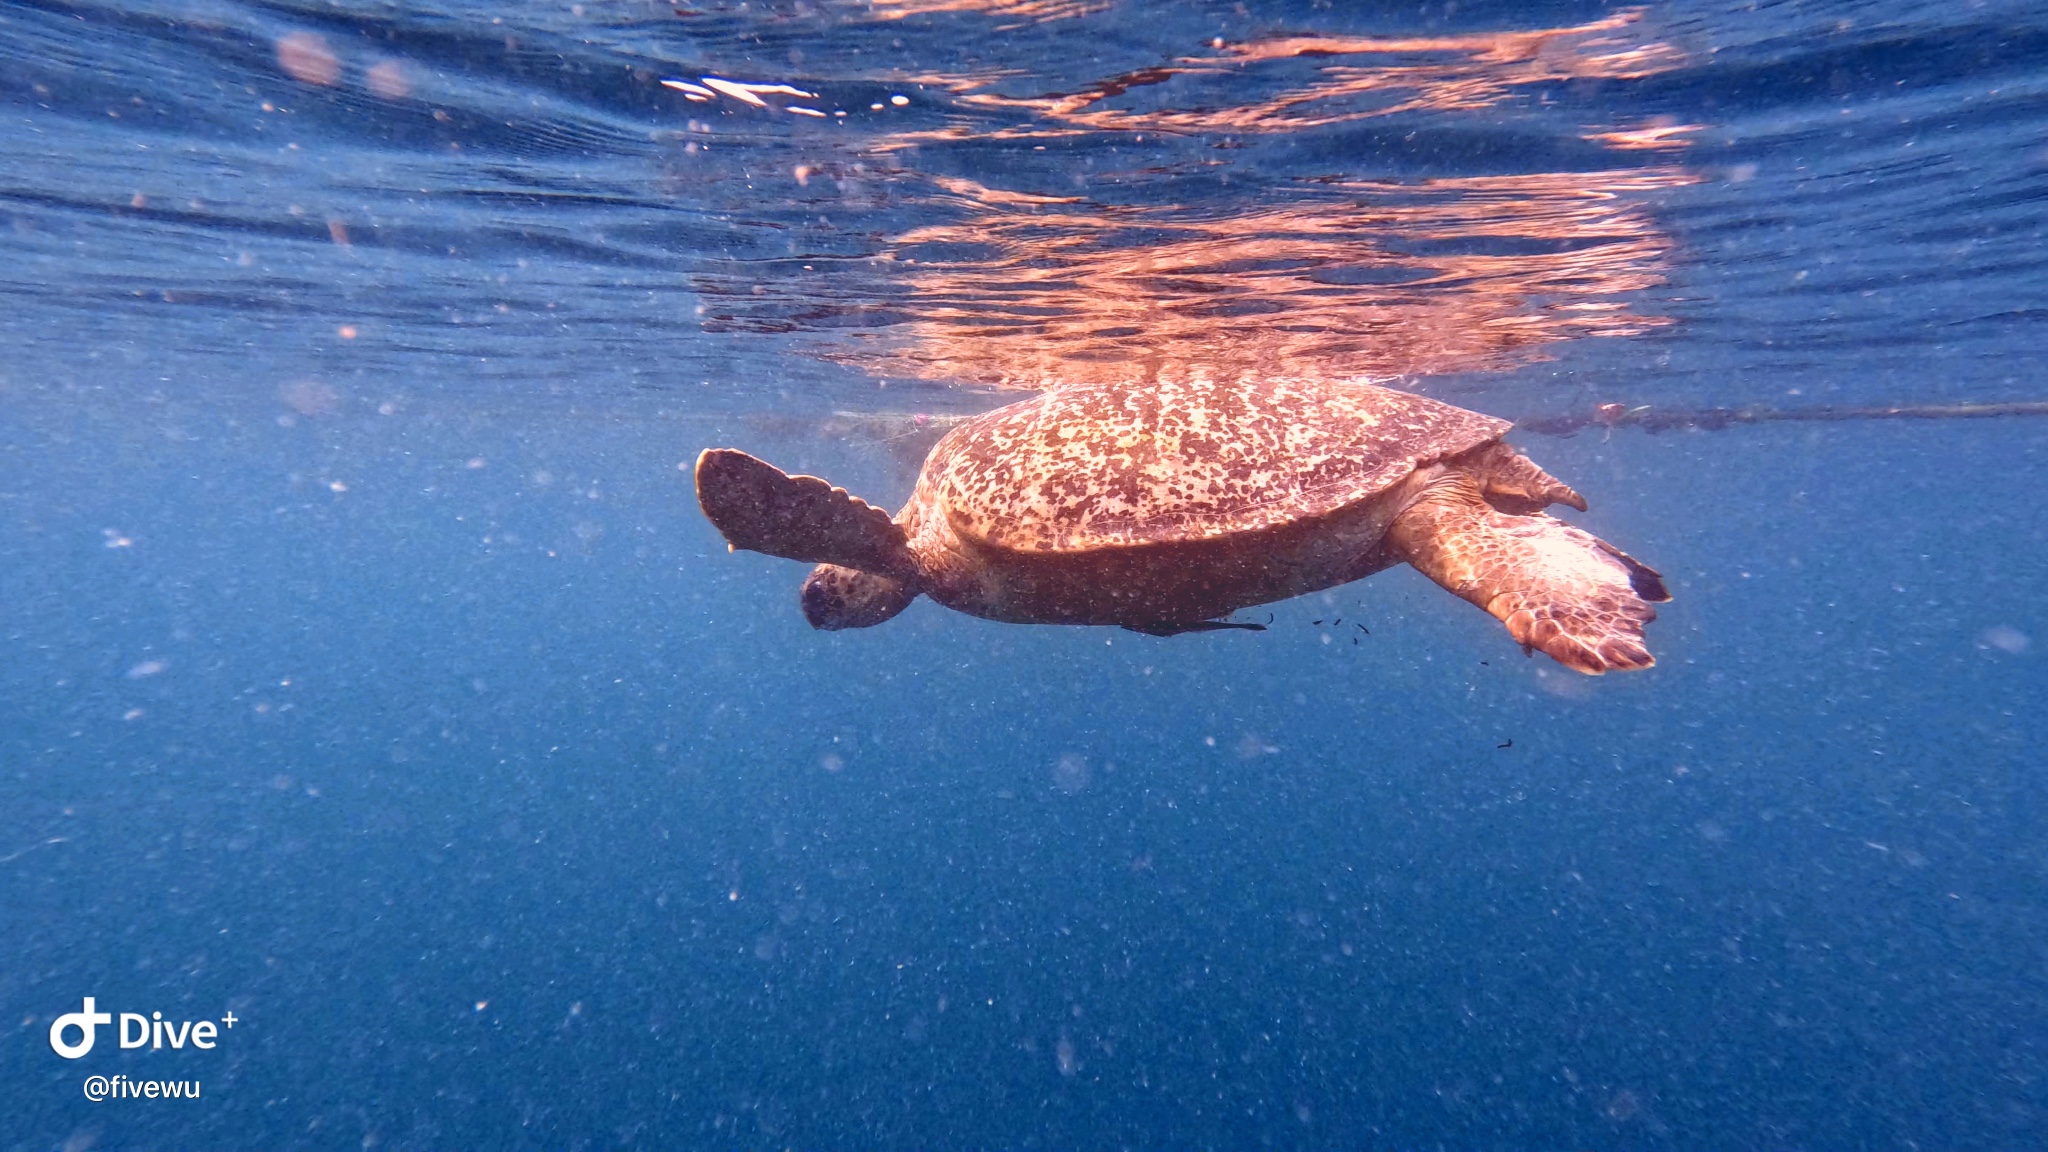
(1167, 506)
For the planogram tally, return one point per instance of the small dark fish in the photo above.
(1368, 632)
(1337, 621)
(1315, 621)
(1509, 744)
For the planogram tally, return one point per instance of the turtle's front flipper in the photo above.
(761, 508)
(1557, 588)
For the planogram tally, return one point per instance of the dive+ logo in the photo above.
(136, 1030)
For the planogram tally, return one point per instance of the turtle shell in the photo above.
(1086, 467)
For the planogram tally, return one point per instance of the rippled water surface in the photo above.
(367, 670)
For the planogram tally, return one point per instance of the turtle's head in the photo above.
(836, 597)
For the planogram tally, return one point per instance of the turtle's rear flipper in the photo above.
(1557, 588)
(761, 508)
(1196, 626)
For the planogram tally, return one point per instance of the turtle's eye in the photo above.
(835, 597)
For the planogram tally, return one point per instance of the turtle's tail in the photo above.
(1168, 628)
(761, 508)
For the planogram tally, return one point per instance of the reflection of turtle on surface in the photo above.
(1164, 507)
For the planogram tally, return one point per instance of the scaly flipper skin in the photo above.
(761, 508)
(1557, 588)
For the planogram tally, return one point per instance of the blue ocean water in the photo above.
(368, 672)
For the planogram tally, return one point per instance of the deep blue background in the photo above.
(423, 722)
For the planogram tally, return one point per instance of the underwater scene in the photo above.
(987, 574)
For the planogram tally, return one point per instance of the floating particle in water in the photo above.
(310, 397)
(148, 668)
(305, 57)
(1571, 688)
(2005, 638)
(831, 762)
(1071, 774)
(388, 78)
